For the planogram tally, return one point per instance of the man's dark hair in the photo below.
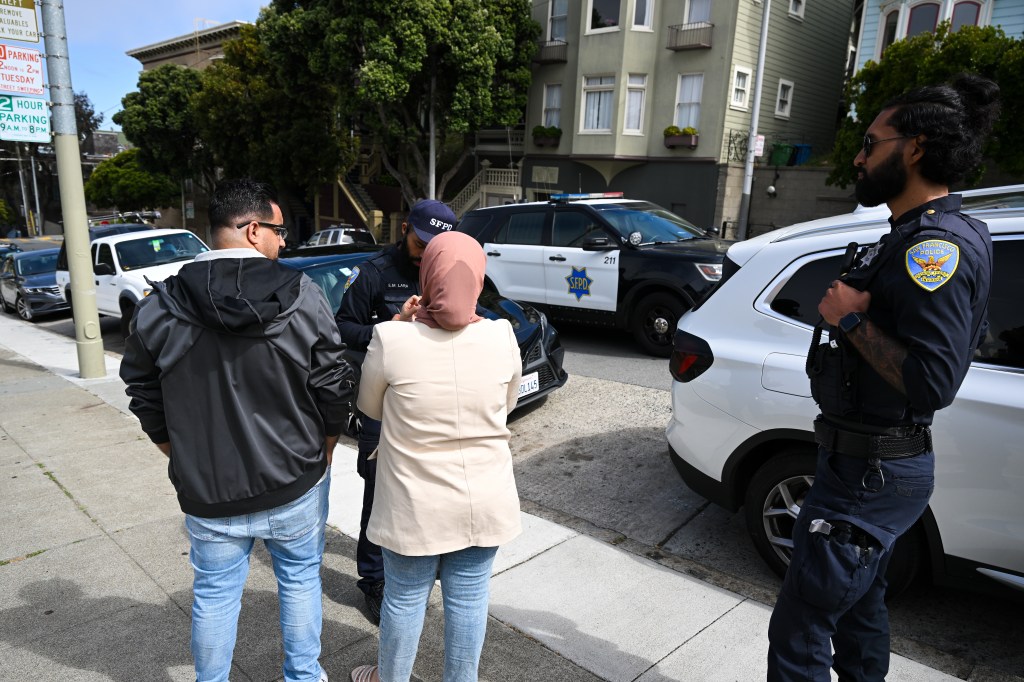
(954, 118)
(235, 201)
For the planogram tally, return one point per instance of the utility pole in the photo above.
(88, 340)
(24, 196)
(35, 191)
(755, 112)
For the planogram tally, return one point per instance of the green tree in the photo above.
(407, 68)
(931, 58)
(86, 118)
(122, 182)
(292, 134)
(159, 120)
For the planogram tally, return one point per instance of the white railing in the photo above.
(493, 177)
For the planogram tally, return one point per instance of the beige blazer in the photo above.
(444, 469)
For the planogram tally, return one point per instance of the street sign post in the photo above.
(21, 70)
(23, 119)
(18, 21)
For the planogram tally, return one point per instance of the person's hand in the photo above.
(331, 441)
(409, 308)
(841, 299)
(165, 448)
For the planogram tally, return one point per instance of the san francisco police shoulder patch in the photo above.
(352, 277)
(932, 263)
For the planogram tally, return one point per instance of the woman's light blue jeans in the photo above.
(465, 589)
(294, 536)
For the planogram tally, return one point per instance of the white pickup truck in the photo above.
(123, 262)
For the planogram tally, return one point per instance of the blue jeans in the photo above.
(834, 590)
(294, 536)
(465, 588)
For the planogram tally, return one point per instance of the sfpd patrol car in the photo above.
(599, 259)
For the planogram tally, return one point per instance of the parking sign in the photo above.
(21, 70)
(23, 119)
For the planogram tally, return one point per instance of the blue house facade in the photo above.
(883, 22)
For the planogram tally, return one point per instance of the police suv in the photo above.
(599, 259)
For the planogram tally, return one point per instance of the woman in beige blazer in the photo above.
(442, 386)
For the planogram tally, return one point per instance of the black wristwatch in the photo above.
(850, 321)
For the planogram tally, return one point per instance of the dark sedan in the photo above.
(539, 344)
(28, 283)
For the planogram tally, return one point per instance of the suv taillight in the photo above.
(691, 357)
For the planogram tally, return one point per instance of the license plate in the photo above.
(529, 384)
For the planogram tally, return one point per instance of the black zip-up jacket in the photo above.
(237, 362)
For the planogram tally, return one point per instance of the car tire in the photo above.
(24, 309)
(654, 322)
(127, 312)
(773, 500)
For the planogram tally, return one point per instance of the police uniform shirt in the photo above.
(930, 292)
(374, 292)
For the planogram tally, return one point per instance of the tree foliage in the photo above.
(87, 120)
(396, 61)
(159, 120)
(931, 58)
(122, 182)
(263, 114)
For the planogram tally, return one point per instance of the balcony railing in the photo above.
(552, 52)
(694, 36)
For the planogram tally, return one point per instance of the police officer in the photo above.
(385, 287)
(905, 321)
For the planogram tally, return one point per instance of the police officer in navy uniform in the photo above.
(904, 324)
(385, 287)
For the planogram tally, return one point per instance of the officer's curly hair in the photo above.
(954, 119)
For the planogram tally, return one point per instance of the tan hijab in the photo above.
(451, 279)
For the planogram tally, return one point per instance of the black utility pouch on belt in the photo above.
(831, 366)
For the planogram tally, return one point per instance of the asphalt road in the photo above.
(593, 456)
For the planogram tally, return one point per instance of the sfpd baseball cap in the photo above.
(430, 217)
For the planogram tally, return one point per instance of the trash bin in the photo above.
(781, 154)
(801, 154)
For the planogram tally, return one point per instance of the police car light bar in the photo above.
(585, 195)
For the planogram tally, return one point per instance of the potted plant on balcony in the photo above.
(680, 137)
(546, 136)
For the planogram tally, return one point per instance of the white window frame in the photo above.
(780, 110)
(903, 19)
(596, 31)
(595, 88)
(551, 19)
(545, 106)
(796, 8)
(733, 104)
(649, 18)
(633, 88)
(676, 119)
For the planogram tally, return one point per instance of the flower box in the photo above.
(673, 141)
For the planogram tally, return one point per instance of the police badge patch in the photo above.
(932, 263)
(352, 277)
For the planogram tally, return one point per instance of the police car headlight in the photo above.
(710, 271)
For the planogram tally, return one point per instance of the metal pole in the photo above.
(88, 340)
(24, 194)
(432, 164)
(748, 168)
(35, 191)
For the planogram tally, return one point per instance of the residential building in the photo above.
(883, 22)
(613, 74)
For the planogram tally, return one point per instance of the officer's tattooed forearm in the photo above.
(884, 353)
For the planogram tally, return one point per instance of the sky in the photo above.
(101, 31)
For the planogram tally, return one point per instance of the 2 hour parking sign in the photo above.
(23, 119)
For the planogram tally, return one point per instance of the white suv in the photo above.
(741, 428)
(124, 264)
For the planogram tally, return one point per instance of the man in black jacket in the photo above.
(384, 288)
(235, 371)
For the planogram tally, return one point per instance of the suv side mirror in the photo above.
(103, 269)
(712, 231)
(597, 244)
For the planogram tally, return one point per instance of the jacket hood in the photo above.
(242, 296)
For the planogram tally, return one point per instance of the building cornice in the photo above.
(215, 35)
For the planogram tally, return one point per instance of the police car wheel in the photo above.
(772, 503)
(654, 322)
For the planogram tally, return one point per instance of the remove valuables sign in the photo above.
(23, 119)
(18, 21)
(21, 70)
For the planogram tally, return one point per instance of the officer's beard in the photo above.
(408, 266)
(885, 182)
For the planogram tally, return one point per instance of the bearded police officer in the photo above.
(385, 287)
(904, 324)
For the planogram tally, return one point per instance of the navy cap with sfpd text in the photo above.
(430, 217)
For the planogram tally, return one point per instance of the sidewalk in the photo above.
(95, 582)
